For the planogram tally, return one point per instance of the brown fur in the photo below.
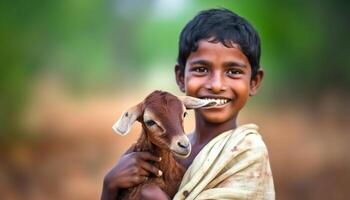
(168, 108)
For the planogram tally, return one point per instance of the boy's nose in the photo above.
(216, 83)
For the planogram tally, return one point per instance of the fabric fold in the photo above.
(226, 167)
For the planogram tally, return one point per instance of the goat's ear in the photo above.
(193, 103)
(124, 123)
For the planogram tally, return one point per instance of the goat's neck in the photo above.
(144, 144)
(172, 170)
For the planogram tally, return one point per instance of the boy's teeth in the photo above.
(217, 101)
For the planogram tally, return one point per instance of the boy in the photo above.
(218, 58)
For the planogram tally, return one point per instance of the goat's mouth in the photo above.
(180, 147)
(182, 154)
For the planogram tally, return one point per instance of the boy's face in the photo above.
(215, 71)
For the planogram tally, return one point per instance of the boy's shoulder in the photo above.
(254, 140)
(249, 140)
(235, 159)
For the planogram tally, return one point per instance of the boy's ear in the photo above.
(180, 78)
(256, 82)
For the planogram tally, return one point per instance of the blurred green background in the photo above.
(69, 67)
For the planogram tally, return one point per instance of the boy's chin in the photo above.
(215, 118)
(219, 115)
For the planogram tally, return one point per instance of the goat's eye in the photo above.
(150, 122)
(185, 114)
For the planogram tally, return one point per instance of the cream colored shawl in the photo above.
(233, 165)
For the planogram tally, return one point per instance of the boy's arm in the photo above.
(153, 192)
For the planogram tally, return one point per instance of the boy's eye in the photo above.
(200, 69)
(233, 72)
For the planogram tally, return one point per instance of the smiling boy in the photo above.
(214, 71)
(219, 59)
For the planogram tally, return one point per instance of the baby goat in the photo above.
(161, 115)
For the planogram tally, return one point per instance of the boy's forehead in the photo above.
(212, 50)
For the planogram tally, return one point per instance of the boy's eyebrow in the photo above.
(234, 63)
(202, 62)
(226, 64)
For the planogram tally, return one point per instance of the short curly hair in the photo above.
(223, 26)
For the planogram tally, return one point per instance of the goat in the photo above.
(161, 115)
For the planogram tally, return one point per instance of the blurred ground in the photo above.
(71, 146)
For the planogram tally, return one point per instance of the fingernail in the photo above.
(160, 158)
(160, 173)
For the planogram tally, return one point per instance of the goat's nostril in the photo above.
(182, 145)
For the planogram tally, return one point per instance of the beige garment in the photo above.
(233, 165)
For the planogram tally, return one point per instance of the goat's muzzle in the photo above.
(181, 147)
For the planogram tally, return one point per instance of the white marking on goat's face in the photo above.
(163, 118)
(152, 123)
(180, 146)
(166, 130)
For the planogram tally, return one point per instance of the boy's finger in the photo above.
(148, 156)
(150, 168)
(139, 179)
(143, 172)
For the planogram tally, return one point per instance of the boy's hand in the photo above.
(153, 192)
(131, 170)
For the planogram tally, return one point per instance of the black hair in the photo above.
(224, 26)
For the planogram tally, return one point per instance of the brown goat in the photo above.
(161, 115)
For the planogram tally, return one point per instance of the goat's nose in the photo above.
(183, 144)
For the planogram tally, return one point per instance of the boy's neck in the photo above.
(205, 131)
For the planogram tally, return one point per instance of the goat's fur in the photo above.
(167, 112)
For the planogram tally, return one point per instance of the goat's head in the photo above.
(161, 115)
